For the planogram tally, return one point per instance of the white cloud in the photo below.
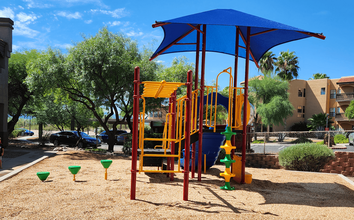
(23, 17)
(37, 4)
(134, 34)
(22, 23)
(88, 21)
(15, 47)
(23, 29)
(63, 46)
(118, 13)
(7, 13)
(114, 23)
(75, 15)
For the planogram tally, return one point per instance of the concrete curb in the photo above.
(346, 179)
(21, 169)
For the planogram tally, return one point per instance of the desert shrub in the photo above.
(301, 140)
(15, 133)
(305, 157)
(340, 139)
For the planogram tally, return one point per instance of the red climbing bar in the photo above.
(135, 131)
(201, 105)
(244, 130)
(187, 133)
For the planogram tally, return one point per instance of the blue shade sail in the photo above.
(180, 36)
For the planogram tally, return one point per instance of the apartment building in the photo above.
(311, 97)
(6, 27)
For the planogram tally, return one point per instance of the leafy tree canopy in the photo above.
(349, 111)
(97, 72)
(271, 98)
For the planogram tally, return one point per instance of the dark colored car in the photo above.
(26, 132)
(120, 136)
(72, 137)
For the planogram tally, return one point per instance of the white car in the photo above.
(351, 139)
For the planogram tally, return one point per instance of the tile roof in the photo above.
(346, 80)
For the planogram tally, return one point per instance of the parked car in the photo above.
(351, 138)
(120, 136)
(72, 137)
(25, 132)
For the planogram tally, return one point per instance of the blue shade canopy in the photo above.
(181, 34)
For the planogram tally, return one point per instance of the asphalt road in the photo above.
(275, 148)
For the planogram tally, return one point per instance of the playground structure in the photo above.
(182, 123)
(229, 32)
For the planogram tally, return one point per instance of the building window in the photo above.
(338, 110)
(155, 114)
(300, 115)
(339, 91)
(304, 92)
(323, 91)
(333, 93)
(299, 109)
(332, 112)
(303, 109)
(299, 93)
(160, 114)
(151, 114)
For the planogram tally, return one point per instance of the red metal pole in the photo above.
(201, 105)
(195, 88)
(135, 131)
(187, 134)
(244, 130)
(233, 139)
(173, 131)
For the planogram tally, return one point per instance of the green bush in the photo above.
(301, 140)
(320, 143)
(305, 157)
(340, 139)
(258, 142)
(15, 133)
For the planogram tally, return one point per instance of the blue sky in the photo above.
(61, 23)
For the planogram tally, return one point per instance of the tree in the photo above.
(97, 72)
(19, 95)
(266, 63)
(177, 72)
(60, 111)
(349, 111)
(271, 98)
(319, 76)
(287, 65)
(318, 122)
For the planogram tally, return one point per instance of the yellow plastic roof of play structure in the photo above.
(161, 89)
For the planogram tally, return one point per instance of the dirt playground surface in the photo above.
(273, 194)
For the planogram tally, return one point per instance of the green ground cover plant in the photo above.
(305, 157)
(302, 140)
(340, 139)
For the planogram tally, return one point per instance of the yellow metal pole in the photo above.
(74, 178)
(204, 163)
(105, 175)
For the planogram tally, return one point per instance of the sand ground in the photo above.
(273, 194)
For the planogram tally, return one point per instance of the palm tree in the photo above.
(319, 76)
(287, 65)
(266, 63)
(318, 122)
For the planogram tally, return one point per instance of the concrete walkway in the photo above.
(27, 157)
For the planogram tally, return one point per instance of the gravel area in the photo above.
(273, 194)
